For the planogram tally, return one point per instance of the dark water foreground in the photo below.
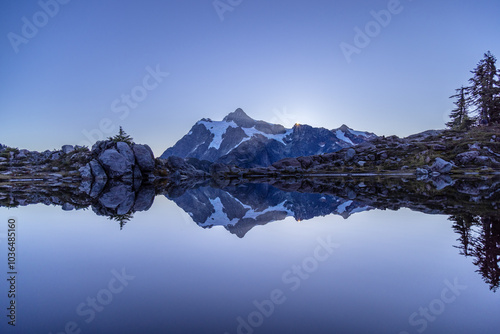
(323, 255)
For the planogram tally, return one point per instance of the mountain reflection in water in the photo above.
(238, 206)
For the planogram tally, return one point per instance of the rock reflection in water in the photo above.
(238, 206)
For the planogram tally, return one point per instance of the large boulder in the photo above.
(144, 199)
(441, 166)
(85, 172)
(466, 157)
(97, 170)
(115, 196)
(115, 164)
(349, 154)
(144, 157)
(125, 150)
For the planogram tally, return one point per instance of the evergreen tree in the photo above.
(485, 89)
(460, 119)
(122, 136)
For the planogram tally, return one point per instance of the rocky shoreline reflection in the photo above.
(238, 205)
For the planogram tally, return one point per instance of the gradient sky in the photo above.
(279, 60)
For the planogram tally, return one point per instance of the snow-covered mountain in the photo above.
(240, 140)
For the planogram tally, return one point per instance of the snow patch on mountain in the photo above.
(218, 217)
(278, 208)
(342, 207)
(218, 129)
(341, 135)
(359, 133)
(251, 132)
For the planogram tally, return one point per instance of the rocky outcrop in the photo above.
(120, 161)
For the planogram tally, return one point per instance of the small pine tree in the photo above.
(460, 119)
(485, 89)
(122, 136)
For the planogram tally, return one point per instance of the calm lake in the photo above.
(254, 259)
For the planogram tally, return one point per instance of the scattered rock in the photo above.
(349, 154)
(466, 157)
(287, 162)
(85, 172)
(475, 147)
(421, 172)
(441, 166)
(67, 149)
(68, 207)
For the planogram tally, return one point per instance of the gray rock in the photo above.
(3, 159)
(350, 154)
(67, 149)
(466, 157)
(85, 186)
(442, 182)
(287, 162)
(125, 150)
(421, 172)
(114, 196)
(55, 156)
(144, 157)
(441, 166)
(144, 199)
(115, 164)
(22, 154)
(68, 207)
(137, 173)
(97, 187)
(85, 172)
(483, 160)
(126, 206)
(361, 163)
(97, 170)
(476, 146)
(383, 155)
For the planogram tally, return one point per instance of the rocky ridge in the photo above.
(427, 154)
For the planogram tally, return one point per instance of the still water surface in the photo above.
(378, 271)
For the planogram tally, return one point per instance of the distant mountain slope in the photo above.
(240, 140)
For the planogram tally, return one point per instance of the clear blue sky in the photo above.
(279, 60)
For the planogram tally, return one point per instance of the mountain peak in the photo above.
(345, 128)
(240, 118)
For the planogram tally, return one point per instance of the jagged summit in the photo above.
(240, 118)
